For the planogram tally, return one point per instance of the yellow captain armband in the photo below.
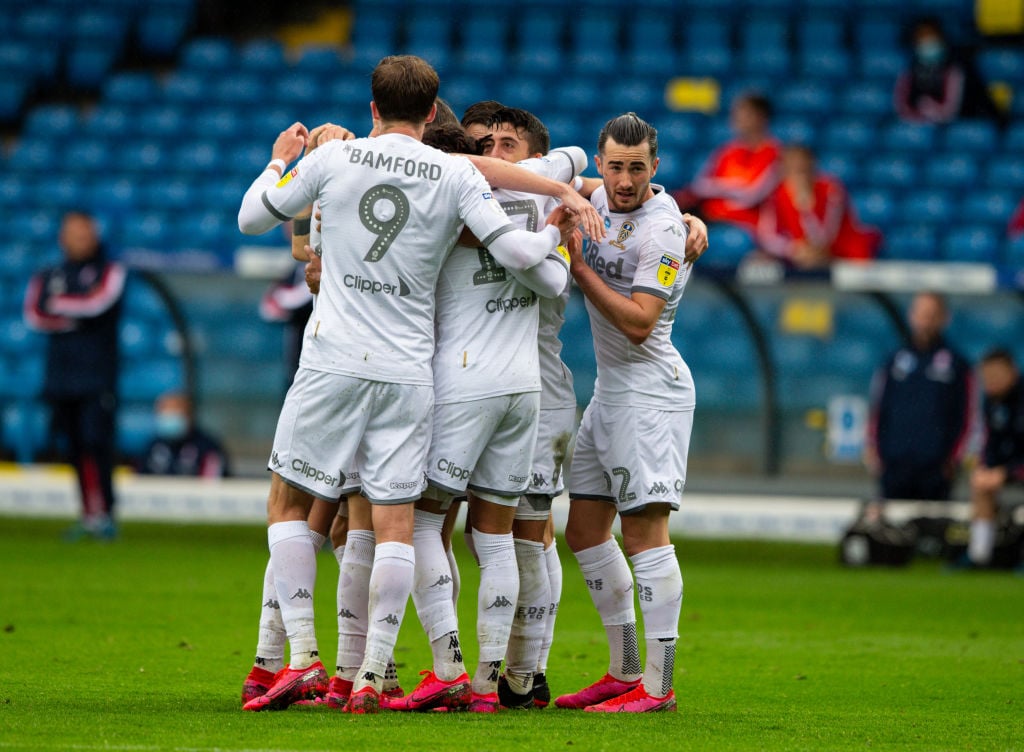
(563, 252)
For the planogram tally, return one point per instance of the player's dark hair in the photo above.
(629, 130)
(445, 115)
(480, 113)
(759, 102)
(404, 88)
(999, 355)
(537, 137)
(451, 139)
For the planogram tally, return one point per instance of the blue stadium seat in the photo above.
(804, 98)
(960, 172)
(14, 191)
(731, 245)
(892, 170)
(1002, 64)
(992, 207)
(825, 64)
(427, 27)
(54, 120)
(161, 30)
(909, 137)
(151, 229)
(297, 89)
(240, 89)
(144, 381)
(206, 230)
(118, 196)
(581, 94)
(866, 98)
(971, 136)
(265, 56)
(41, 225)
(107, 27)
(875, 207)
(882, 64)
(223, 124)
(138, 339)
(821, 32)
(764, 31)
(168, 194)
(319, 61)
(843, 165)
(41, 24)
(971, 243)
(795, 130)
(707, 61)
(485, 29)
(526, 92)
(910, 243)
(130, 88)
(167, 122)
(209, 55)
(1006, 173)
(679, 133)
(13, 93)
(63, 190)
(1013, 253)
(136, 428)
(934, 206)
(490, 59)
(89, 62)
(1013, 139)
(760, 61)
(640, 94)
(186, 87)
(39, 154)
(148, 156)
(877, 33)
(848, 136)
(25, 429)
(374, 26)
(706, 33)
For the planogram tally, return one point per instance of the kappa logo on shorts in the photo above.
(658, 489)
(402, 485)
(539, 480)
(517, 478)
(275, 461)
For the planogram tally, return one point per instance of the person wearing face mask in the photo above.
(180, 446)
(940, 85)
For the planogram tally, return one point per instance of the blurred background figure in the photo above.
(741, 174)
(78, 305)
(921, 406)
(808, 220)
(941, 85)
(181, 447)
(288, 301)
(1002, 461)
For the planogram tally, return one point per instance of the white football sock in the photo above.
(317, 539)
(659, 584)
(432, 596)
(607, 574)
(272, 637)
(391, 581)
(554, 568)
(528, 625)
(391, 675)
(353, 599)
(467, 537)
(294, 562)
(496, 604)
(456, 579)
(982, 541)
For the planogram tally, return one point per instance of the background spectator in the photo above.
(181, 447)
(78, 304)
(740, 175)
(941, 84)
(921, 409)
(808, 220)
(289, 301)
(1002, 461)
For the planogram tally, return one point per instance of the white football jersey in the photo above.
(556, 387)
(392, 210)
(643, 251)
(487, 320)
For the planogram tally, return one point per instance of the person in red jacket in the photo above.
(808, 221)
(741, 174)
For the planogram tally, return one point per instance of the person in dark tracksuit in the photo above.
(1002, 459)
(78, 304)
(921, 411)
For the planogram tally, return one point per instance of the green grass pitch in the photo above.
(143, 645)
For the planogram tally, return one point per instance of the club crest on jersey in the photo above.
(287, 177)
(626, 229)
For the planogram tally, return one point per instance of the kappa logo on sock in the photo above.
(501, 602)
(442, 580)
(302, 594)
(346, 614)
(369, 676)
(389, 619)
(272, 603)
(495, 671)
(261, 661)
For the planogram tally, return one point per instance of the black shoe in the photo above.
(541, 692)
(513, 700)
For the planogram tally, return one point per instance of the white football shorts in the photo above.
(631, 456)
(337, 430)
(485, 445)
(554, 432)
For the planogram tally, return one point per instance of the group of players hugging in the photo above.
(442, 255)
